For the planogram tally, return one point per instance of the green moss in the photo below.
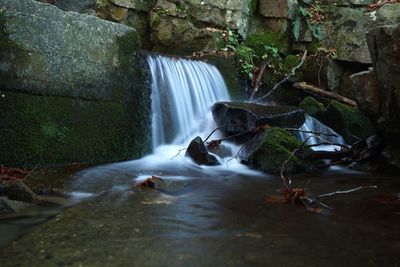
(56, 130)
(311, 106)
(314, 46)
(258, 41)
(252, 7)
(275, 149)
(349, 122)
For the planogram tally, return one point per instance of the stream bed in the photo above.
(212, 217)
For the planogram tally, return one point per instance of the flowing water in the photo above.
(209, 216)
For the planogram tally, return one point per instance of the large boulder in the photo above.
(236, 117)
(73, 87)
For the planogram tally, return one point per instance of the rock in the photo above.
(312, 107)
(197, 151)
(80, 6)
(278, 8)
(222, 150)
(140, 5)
(232, 14)
(270, 150)
(73, 87)
(366, 90)
(240, 117)
(178, 35)
(345, 29)
(349, 122)
(384, 45)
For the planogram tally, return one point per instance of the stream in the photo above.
(213, 218)
(204, 216)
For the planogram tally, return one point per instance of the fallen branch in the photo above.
(313, 89)
(292, 73)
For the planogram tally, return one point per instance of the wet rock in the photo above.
(268, 151)
(349, 122)
(241, 117)
(197, 151)
(221, 150)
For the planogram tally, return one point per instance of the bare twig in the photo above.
(347, 191)
(179, 152)
(292, 73)
(257, 82)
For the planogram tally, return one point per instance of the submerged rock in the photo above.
(240, 117)
(197, 151)
(268, 151)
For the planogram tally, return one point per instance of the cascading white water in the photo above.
(313, 125)
(182, 92)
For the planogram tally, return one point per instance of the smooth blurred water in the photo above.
(183, 92)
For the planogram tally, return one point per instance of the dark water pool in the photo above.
(214, 219)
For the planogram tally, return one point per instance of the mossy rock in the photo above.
(350, 122)
(312, 107)
(258, 41)
(269, 151)
(57, 130)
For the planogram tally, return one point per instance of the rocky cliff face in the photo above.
(73, 87)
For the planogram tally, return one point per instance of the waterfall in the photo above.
(183, 92)
(314, 125)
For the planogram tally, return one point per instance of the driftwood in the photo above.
(313, 89)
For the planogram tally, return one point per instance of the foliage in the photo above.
(246, 55)
(308, 18)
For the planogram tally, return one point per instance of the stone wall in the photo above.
(186, 26)
(73, 88)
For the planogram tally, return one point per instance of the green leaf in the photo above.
(296, 29)
(318, 33)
